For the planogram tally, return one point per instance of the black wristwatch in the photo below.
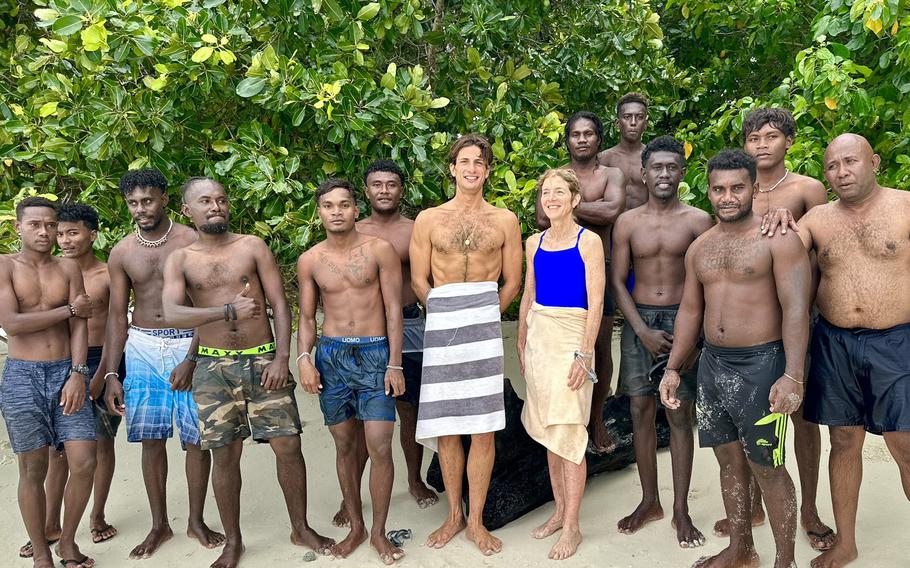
(81, 369)
(194, 357)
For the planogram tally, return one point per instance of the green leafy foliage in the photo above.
(272, 97)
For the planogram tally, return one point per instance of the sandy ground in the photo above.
(883, 517)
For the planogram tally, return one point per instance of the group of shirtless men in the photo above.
(740, 292)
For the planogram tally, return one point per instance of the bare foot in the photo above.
(821, 536)
(27, 550)
(835, 557)
(487, 543)
(566, 545)
(441, 536)
(311, 539)
(350, 543)
(642, 515)
(206, 536)
(155, 538)
(729, 558)
(552, 525)
(230, 556)
(601, 441)
(424, 496)
(388, 552)
(722, 527)
(341, 517)
(48, 563)
(686, 534)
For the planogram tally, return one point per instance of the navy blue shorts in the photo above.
(859, 377)
(352, 371)
(30, 403)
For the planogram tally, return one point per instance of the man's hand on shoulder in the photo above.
(779, 218)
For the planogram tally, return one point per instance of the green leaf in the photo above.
(439, 102)
(54, 45)
(47, 109)
(368, 12)
(333, 10)
(46, 14)
(202, 54)
(94, 37)
(250, 87)
(388, 81)
(521, 73)
(92, 144)
(67, 25)
(209, 38)
(501, 91)
(511, 181)
(212, 3)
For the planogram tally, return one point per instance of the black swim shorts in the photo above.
(733, 388)
(859, 377)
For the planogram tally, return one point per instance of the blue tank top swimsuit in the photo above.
(560, 276)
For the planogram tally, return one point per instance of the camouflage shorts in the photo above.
(232, 404)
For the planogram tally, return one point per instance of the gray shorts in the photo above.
(30, 403)
(636, 361)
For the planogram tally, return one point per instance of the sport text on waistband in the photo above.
(218, 352)
(164, 332)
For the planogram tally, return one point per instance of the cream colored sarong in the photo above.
(554, 415)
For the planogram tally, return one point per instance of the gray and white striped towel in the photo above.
(461, 387)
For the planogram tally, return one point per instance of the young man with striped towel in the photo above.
(466, 245)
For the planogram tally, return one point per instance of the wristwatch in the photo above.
(81, 369)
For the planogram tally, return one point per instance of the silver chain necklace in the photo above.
(773, 187)
(156, 243)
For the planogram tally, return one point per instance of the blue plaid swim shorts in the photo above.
(151, 405)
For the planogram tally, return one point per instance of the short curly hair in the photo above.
(389, 166)
(664, 144)
(73, 212)
(779, 118)
(472, 139)
(733, 159)
(148, 177)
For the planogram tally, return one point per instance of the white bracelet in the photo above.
(301, 356)
(106, 375)
(396, 367)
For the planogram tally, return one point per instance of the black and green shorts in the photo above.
(734, 384)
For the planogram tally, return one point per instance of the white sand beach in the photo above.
(884, 513)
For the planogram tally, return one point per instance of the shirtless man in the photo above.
(159, 358)
(785, 196)
(43, 309)
(77, 228)
(654, 239)
(464, 245)
(385, 182)
(632, 121)
(602, 200)
(241, 383)
(859, 375)
(357, 369)
(752, 359)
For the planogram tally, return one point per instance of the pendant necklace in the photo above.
(156, 243)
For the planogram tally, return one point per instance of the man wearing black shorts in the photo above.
(753, 359)
(603, 197)
(859, 376)
(654, 239)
